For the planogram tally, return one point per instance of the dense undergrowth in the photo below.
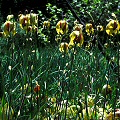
(65, 67)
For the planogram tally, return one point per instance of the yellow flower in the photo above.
(63, 47)
(89, 29)
(112, 27)
(78, 27)
(10, 17)
(33, 19)
(99, 28)
(76, 37)
(8, 28)
(28, 22)
(24, 21)
(62, 27)
(46, 24)
(53, 100)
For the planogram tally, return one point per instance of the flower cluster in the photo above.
(9, 27)
(28, 22)
(76, 36)
(62, 27)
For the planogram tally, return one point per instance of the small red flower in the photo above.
(37, 88)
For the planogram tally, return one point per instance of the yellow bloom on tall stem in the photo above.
(24, 21)
(64, 47)
(62, 27)
(89, 29)
(76, 37)
(112, 27)
(8, 28)
(28, 22)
